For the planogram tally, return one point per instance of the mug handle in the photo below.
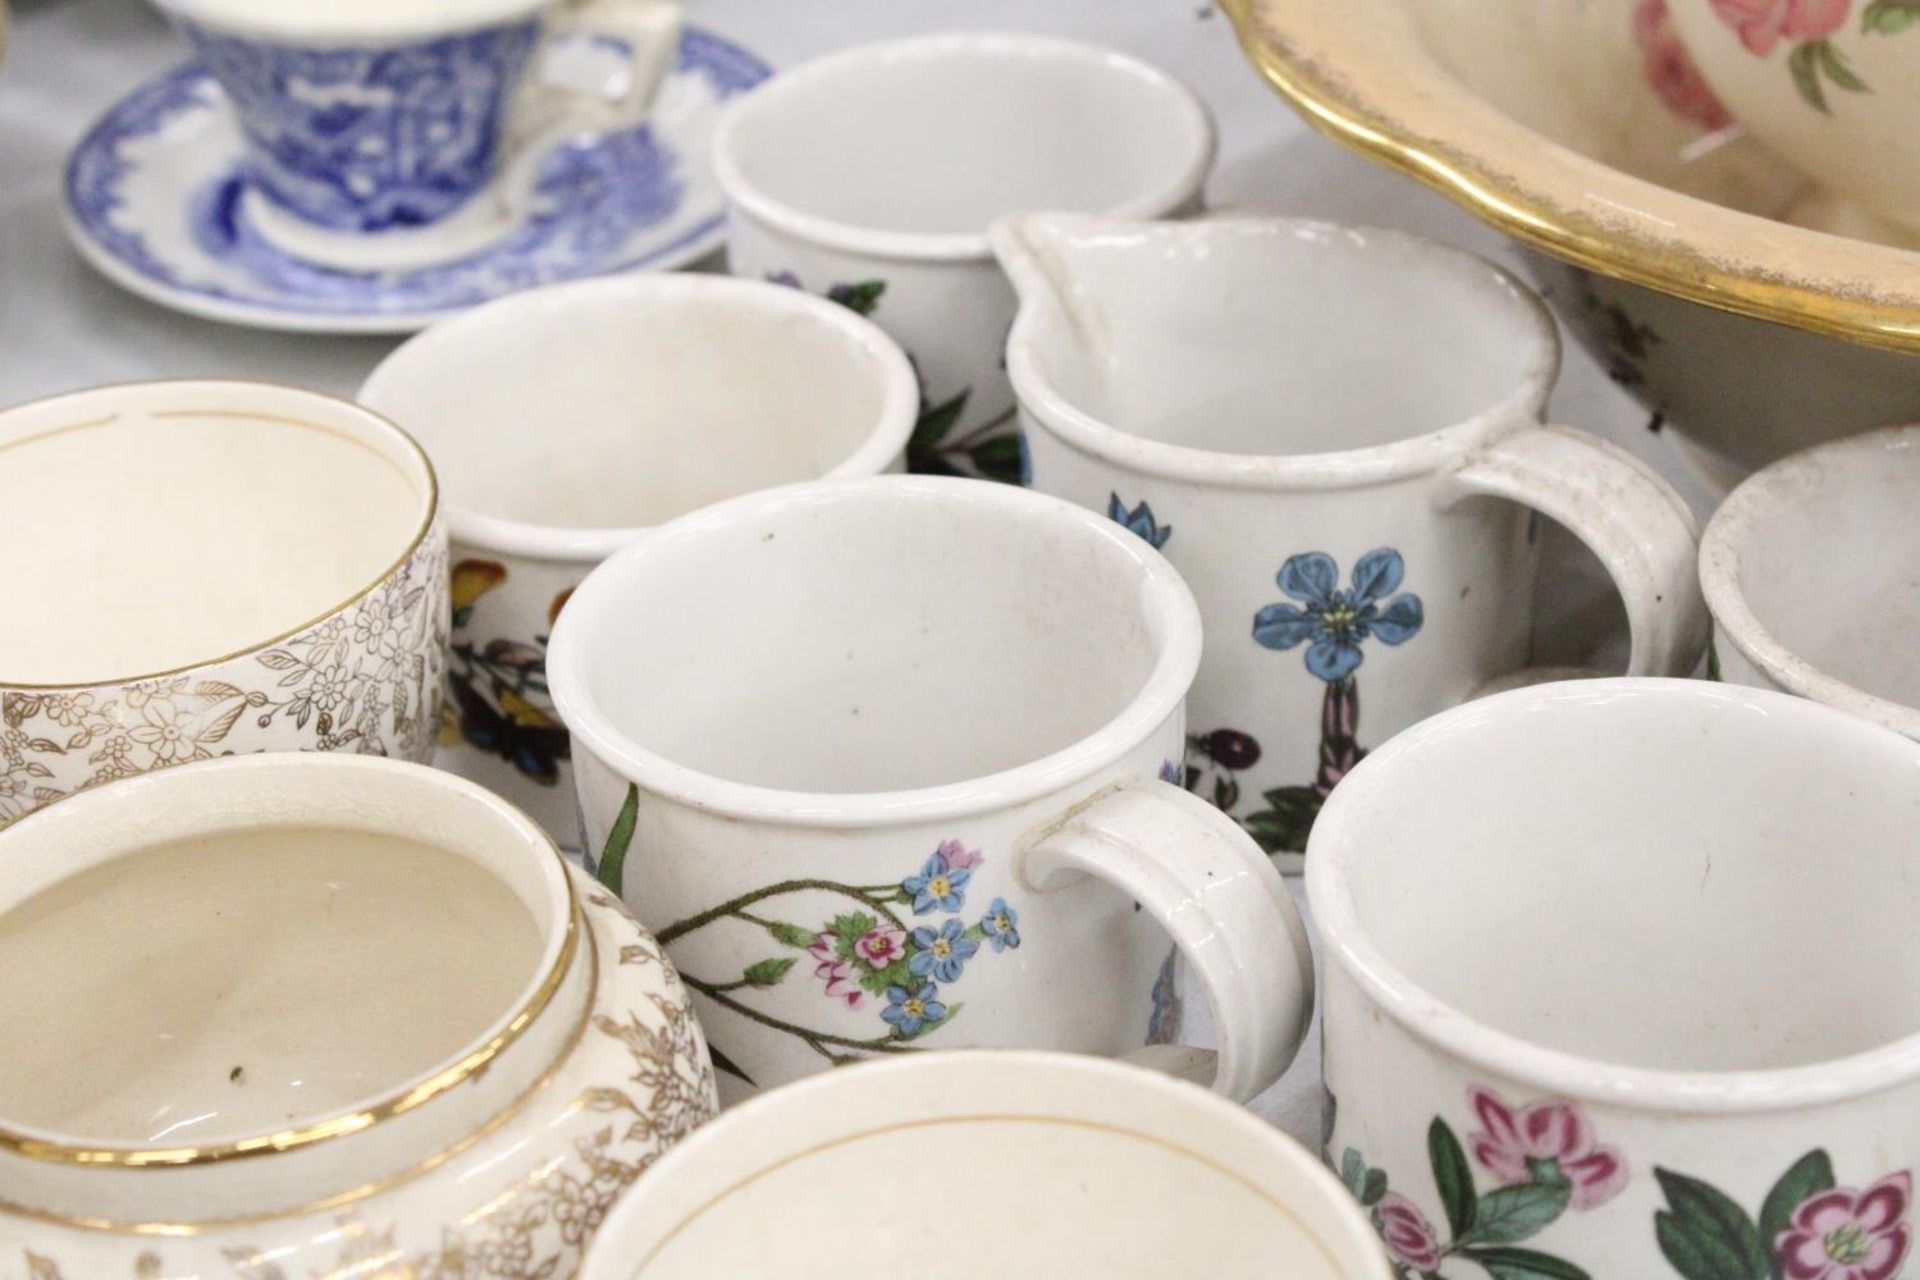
(1205, 882)
(547, 114)
(1633, 520)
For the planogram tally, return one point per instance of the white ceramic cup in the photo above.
(387, 134)
(1335, 435)
(1829, 84)
(1621, 974)
(864, 752)
(201, 568)
(871, 175)
(643, 398)
(1808, 569)
(311, 1011)
(1022, 1164)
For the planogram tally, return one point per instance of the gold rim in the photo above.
(1849, 307)
(182, 1230)
(468, 1066)
(429, 521)
(1275, 1202)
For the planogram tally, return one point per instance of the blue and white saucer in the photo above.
(154, 201)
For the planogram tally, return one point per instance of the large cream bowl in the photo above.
(1678, 250)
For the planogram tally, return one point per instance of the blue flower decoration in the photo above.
(937, 885)
(943, 954)
(1139, 520)
(908, 1011)
(1336, 621)
(999, 926)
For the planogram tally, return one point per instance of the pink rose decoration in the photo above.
(1671, 71)
(835, 972)
(1409, 1236)
(881, 946)
(1845, 1234)
(1512, 1141)
(1762, 24)
(959, 857)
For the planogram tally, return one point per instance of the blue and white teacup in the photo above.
(396, 133)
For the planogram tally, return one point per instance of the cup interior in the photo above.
(871, 636)
(219, 952)
(1069, 1171)
(941, 136)
(624, 403)
(1669, 875)
(1824, 555)
(160, 525)
(1275, 337)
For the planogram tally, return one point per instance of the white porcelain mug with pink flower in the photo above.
(1832, 85)
(1620, 982)
(872, 810)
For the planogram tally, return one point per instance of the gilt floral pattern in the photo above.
(366, 679)
(1809, 1227)
(657, 1087)
(1530, 1165)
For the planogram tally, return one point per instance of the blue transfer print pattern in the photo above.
(1139, 520)
(371, 139)
(595, 201)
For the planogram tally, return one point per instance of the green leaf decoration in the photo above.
(1507, 1263)
(1889, 17)
(767, 973)
(722, 1062)
(1376, 1188)
(935, 422)
(1226, 793)
(1515, 1213)
(862, 298)
(613, 858)
(1804, 63)
(998, 459)
(1705, 1235)
(1834, 63)
(1282, 827)
(1713, 660)
(1811, 1174)
(791, 935)
(876, 981)
(849, 929)
(1453, 1176)
(1353, 1172)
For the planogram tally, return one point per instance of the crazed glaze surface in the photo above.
(1676, 1082)
(1576, 129)
(1072, 1167)
(505, 1172)
(1325, 477)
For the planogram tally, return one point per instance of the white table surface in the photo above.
(62, 327)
